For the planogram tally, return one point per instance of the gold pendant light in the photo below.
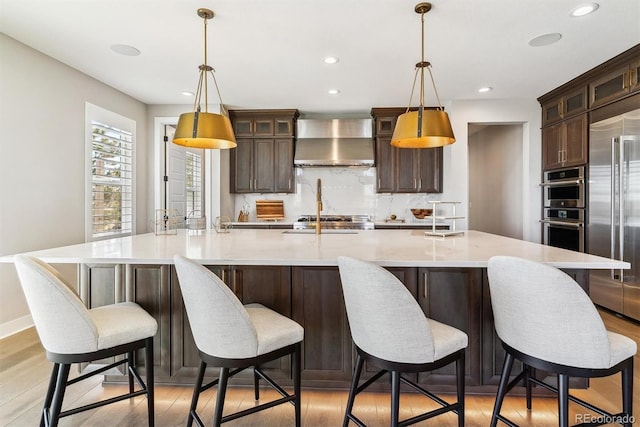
(203, 129)
(423, 127)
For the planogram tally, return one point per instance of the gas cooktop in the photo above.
(359, 222)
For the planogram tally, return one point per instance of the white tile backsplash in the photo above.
(345, 190)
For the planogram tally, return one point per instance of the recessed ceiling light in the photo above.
(333, 91)
(485, 89)
(545, 39)
(124, 49)
(584, 9)
(187, 93)
(331, 60)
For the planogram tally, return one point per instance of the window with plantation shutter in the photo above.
(111, 201)
(194, 183)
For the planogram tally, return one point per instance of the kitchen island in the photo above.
(296, 274)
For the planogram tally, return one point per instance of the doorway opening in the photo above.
(496, 178)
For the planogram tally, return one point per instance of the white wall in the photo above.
(42, 144)
(512, 111)
(495, 180)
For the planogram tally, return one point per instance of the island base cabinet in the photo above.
(318, 306)
(148, 286)
(453, 296)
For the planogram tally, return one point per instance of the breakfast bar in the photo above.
(296, 274)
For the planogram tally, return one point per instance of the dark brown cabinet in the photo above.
(615, 84)
(318, 306)
(557, 109)
(263, 160)
(566, 110)
(565, 143)
(453, 296)
(403, 170)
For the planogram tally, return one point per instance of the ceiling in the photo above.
(269, 54)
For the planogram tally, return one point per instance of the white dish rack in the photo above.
(439, 217)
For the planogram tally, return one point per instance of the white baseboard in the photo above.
(15, 326)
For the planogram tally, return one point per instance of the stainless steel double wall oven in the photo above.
(564, 208)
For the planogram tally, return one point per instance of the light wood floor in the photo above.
(24, 373)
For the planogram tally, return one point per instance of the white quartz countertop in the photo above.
(406, 248)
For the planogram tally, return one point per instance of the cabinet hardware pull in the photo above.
(425, 290)
(625, 78)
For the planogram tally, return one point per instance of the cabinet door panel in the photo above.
(263, 164)
(551, 147)
(385, 165)
(284, 166)
(576, 141)
(430, 176)
(319, 307)
(242, 166)
(407, 169)
(454, 297)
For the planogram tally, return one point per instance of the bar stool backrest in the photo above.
(385, 319)
(542, 312)
(220, 324)
(62, 321)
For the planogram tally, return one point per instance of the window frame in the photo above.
(94, 113)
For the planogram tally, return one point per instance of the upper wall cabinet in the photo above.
(403, 170)
(263, 160)
(567, 109)
(615, 84)
(564, 106)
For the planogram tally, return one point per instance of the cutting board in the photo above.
(269, 210)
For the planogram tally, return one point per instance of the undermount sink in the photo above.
(313, 231)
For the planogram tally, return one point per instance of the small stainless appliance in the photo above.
(335, 222)
(563, 223)
(613, 227)
(564, 188)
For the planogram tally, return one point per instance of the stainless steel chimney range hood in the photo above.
(334, 142)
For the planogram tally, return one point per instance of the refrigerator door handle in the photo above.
(621, 195)
(612, 226)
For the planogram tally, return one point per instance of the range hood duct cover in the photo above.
(334, 142)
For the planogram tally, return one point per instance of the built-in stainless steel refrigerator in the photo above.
(613, 227)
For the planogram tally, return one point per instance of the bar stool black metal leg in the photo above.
(502, 388)
(130, 366)
(148, 364)
(297, 369)
(256, 383)
(563, 400)
(395, 398)
(222, 391)
(627, 393)
(58, 395)
(196, 393)
(527, 385)
(352, 390)
(460, 388)
(49, 397)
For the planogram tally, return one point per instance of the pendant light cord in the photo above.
(421, 66)
(202, 80)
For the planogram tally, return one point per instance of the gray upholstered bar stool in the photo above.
(235, 337)
(547, 321)
(71, 333)
(391, 332)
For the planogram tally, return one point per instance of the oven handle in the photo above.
(558, 183)
(563, 223)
